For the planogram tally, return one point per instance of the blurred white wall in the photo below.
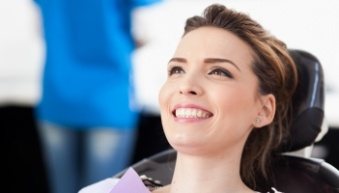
(309, 25)
(21, 52)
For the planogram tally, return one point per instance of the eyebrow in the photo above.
(221, 60)
(207, 60)
(181, 60)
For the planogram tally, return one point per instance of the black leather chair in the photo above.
(291, 174)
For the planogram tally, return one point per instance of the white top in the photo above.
(21, 52)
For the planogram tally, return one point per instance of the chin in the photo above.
(188, 146)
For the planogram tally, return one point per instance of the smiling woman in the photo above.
(229, 69)
(225, 105)
(210, 81)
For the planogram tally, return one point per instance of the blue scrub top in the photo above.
(86, 79)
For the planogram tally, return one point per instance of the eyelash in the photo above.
(175, 70)
(217, 71)
(221, 72)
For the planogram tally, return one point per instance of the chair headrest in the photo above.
(308, 102)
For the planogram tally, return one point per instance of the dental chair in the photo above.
(291, 173)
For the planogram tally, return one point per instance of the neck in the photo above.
(207, 174)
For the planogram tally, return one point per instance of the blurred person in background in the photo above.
(21, 57)
(86, 115)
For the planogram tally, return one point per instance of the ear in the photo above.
(266, 112)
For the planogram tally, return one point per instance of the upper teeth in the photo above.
(191, 113)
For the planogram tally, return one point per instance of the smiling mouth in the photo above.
(191, 113)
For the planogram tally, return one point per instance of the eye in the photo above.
(175, 70)
(221, 72)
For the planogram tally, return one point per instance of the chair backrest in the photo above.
(291, 174)
(305, 175)
(297, 174)
(308, 102)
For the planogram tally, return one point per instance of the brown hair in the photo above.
(277, 75)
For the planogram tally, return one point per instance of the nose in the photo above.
(190, 86)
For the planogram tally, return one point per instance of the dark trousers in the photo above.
(22, 168)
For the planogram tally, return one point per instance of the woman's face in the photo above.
(210, 99)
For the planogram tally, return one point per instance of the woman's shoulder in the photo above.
(103, 186)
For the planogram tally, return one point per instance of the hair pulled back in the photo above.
(276, 73)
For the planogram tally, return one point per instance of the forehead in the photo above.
(207, 42)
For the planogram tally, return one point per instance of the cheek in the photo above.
(164, 98)
(237, 106)
(231, 98)
(164, 95)
(234, 121)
